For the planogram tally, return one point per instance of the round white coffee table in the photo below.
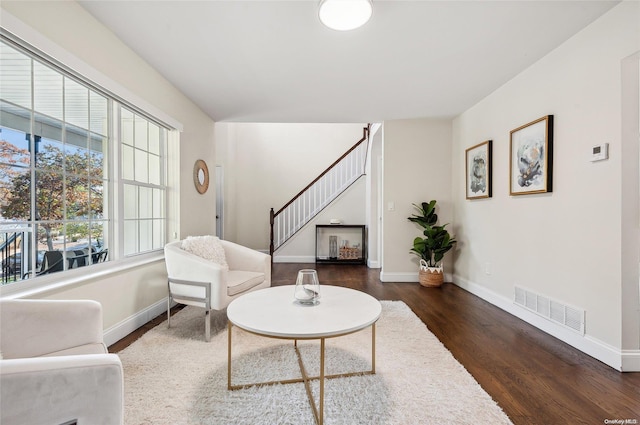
(272, 312)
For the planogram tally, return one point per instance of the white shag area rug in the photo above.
(172, 376)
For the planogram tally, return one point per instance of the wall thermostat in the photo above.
(600, 152)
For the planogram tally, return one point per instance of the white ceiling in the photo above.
(273, 61)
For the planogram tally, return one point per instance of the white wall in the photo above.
(416, 168)
(567, 244)
(71, 29)
(267, 164)
(373, 212)
(630, 211)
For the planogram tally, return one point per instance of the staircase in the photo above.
(307, 204)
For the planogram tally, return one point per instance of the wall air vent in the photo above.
(565, 315)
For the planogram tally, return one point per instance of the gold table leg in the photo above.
(318, 412)
(321, 408)
(229, 355)
(307, 385)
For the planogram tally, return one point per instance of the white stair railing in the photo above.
(318, 194)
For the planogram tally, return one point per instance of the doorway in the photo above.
(219, 201)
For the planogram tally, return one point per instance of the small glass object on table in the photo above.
(307, 289)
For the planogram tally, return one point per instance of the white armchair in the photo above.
(55, 367)
(200, 282)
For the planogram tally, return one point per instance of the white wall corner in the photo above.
(118, 331)
(373, 264)
(593, 347)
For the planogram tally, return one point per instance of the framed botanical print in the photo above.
(478, 170)
(531, 157)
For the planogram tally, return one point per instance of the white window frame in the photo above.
(122, 181)
(42, 46)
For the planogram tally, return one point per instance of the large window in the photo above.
(82, 174)
(142, 167)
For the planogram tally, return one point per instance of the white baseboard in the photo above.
(631, 360)
(625, 361)
(405, 277)
(118, 331)
(398, 277)
(294, 259)
(373, 264)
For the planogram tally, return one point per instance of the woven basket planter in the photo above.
(433, 277)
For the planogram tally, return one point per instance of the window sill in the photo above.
(37, 286)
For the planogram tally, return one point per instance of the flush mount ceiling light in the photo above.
(345, 15)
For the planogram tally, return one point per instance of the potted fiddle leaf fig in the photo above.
(432, 246)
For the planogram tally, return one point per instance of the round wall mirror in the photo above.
(201, 176)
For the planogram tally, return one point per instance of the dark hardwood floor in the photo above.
(534, 377)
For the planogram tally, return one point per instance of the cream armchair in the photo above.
(200, 282)
(55, 367)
